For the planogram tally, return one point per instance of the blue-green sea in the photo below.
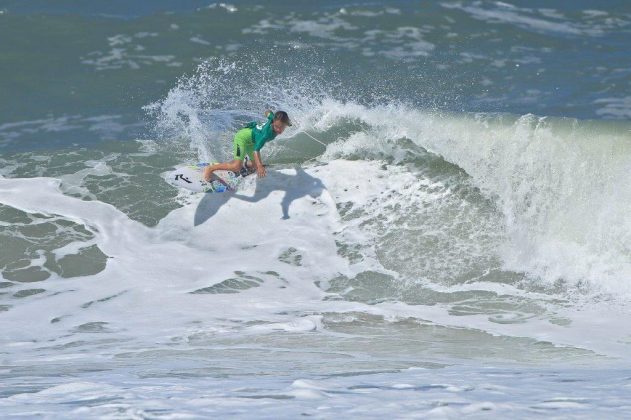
(443, 232)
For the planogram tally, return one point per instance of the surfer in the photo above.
(249, 141)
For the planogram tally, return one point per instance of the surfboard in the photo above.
(191, 178)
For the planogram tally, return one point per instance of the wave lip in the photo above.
(560, 183)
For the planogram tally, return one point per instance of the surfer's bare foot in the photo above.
(233, 166)
(208, 173)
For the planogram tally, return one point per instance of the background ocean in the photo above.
(460, 246)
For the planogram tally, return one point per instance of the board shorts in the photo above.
(243, 145)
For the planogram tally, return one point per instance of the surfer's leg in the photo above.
(233, 166)
(249, 162)
(242, 146)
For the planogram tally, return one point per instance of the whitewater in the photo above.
(401, 272)
(418, 249)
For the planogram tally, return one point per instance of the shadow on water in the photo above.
(295, 186)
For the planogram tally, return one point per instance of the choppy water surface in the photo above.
(460, 244)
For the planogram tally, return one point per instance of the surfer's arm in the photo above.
(258, 164)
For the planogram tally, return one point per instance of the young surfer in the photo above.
(249, 141)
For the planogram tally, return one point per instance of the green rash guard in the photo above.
(262, 133)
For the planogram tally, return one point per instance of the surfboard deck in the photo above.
(191, 178)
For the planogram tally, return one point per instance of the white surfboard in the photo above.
(191, 178)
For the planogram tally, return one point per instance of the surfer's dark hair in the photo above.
(282, 117)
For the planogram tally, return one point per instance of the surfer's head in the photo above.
(280, 122)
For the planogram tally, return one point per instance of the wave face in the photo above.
(559, 59)
(542, 196)
(558, 183)
(447, 217)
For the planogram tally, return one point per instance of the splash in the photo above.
(558, 183)
(203, 111)
(561, 184)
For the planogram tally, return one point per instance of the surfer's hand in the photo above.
(260, 171)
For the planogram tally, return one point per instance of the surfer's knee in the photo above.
(235, 165)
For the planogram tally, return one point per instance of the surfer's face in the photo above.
(278, 126)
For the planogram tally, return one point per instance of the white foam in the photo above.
(614, 107)
(152, 270)
(563, 219)
(106, 125)
(440, 393)
(123, 240)
(230, 8)
(401, 43)
(123, 53)
(325, 27)
(199, 40)
(309, 323)
(162, 337)
(541, 20)
(413, 47)
(73, 183)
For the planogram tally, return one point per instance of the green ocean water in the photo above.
(443, 232)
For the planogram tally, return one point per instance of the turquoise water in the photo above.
(90, 68)
(444, 231)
